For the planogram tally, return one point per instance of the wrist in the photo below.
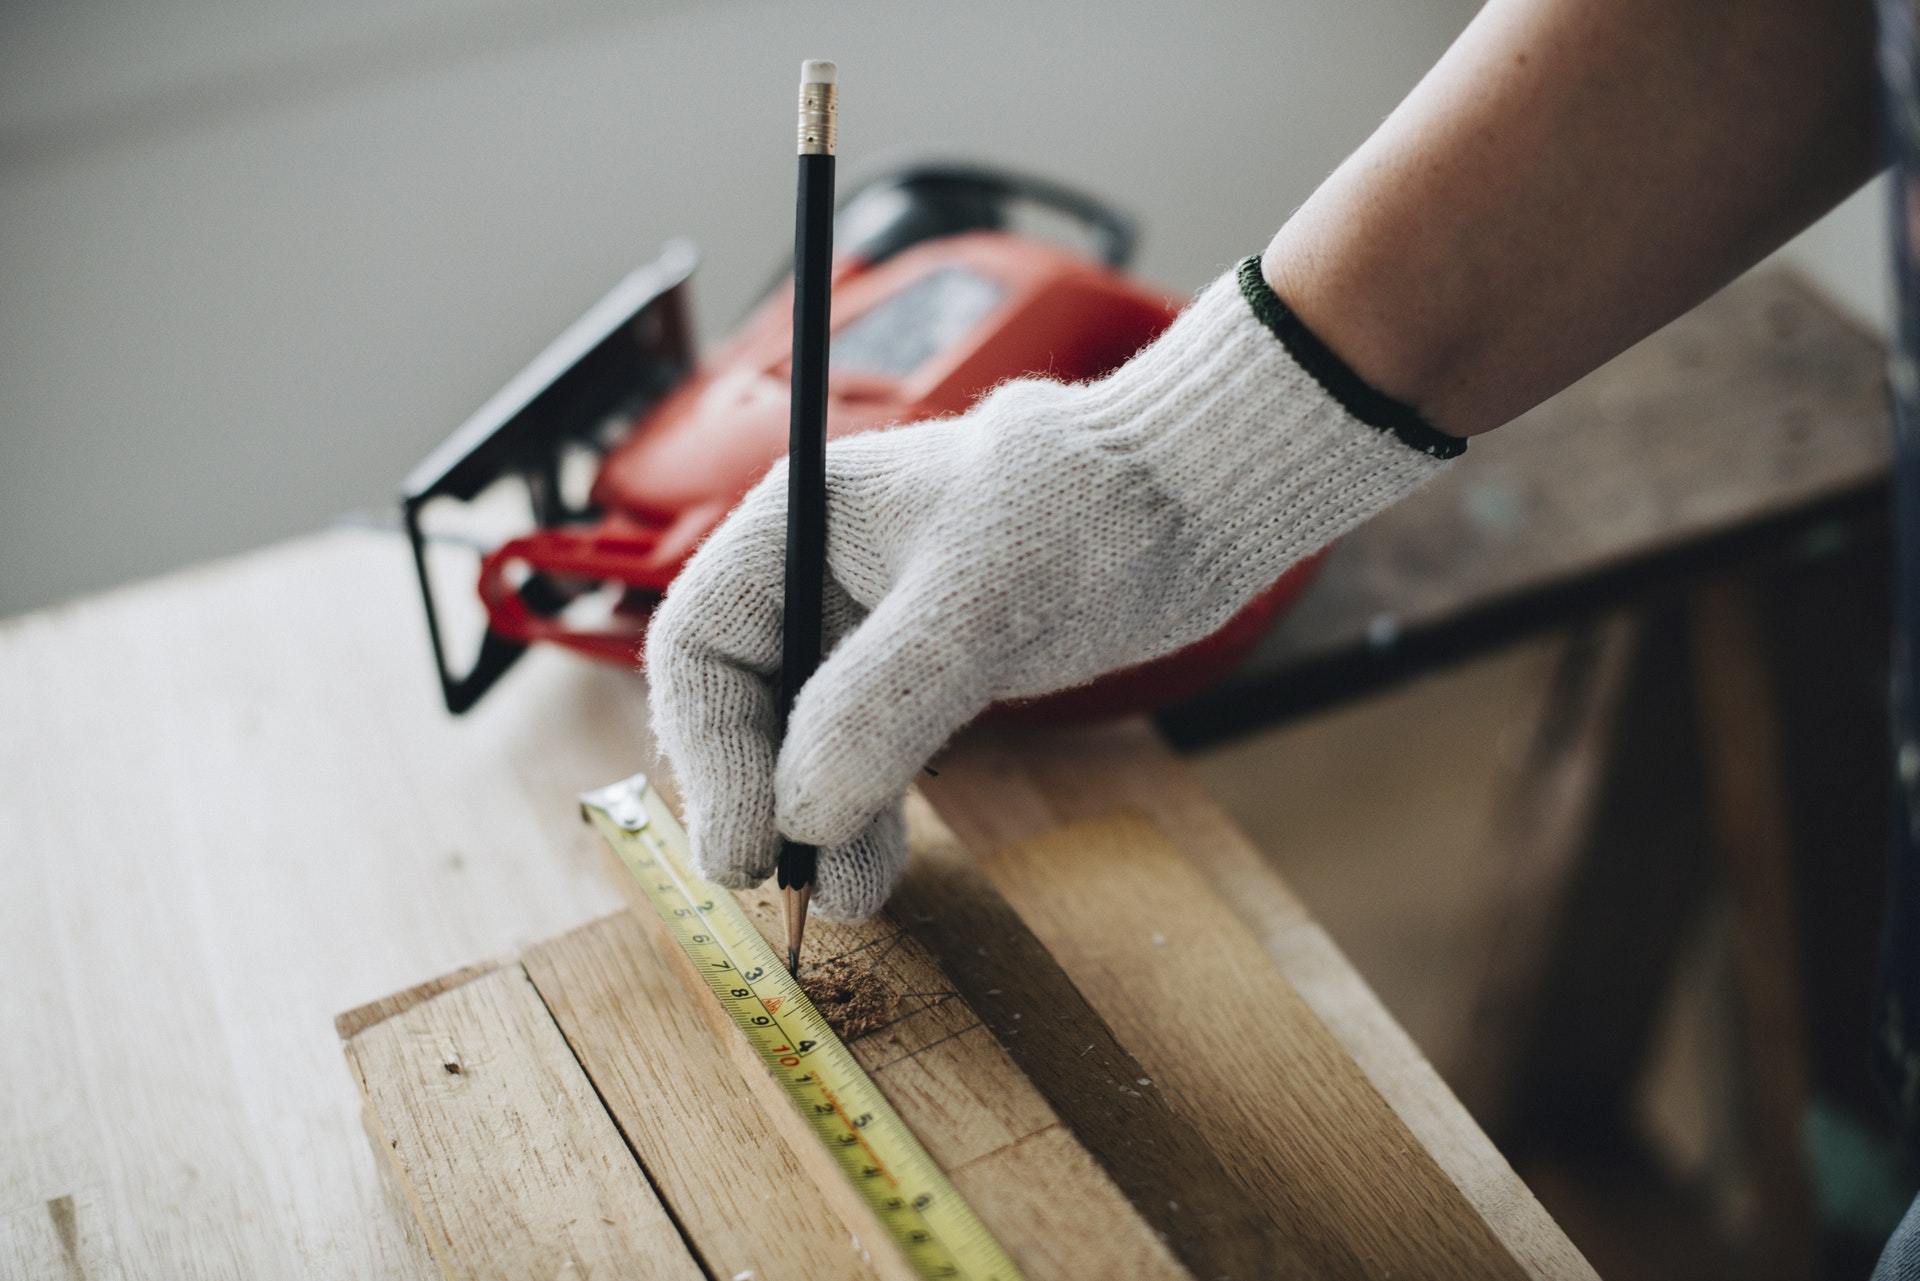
(1389, 354)
(1353, 392)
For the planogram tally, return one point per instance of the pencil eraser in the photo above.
(818, 71)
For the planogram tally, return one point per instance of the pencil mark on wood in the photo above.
(918, 1050)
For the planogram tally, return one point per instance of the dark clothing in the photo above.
(1897, 1007)
(1896, 1047)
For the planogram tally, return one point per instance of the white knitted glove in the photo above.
(1052, 533)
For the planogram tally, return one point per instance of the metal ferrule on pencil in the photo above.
(819, 104)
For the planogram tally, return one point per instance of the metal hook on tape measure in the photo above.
(624, 802)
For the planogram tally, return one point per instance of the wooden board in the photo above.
(1107, 1061)
(999, 792)
(257, 816)
(538, 1116)
(1734, 431)
(707, 1146)
(475, 1096)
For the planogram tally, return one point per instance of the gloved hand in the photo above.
(1052, 533)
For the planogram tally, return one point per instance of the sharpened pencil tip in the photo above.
(796, 900)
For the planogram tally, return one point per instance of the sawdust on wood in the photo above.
(852, 997)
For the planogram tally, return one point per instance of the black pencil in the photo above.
(807, 447)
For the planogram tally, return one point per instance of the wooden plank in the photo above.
(1540, 834)
(511, 1165)
(1732, 430)
(1293, 1129)
(357, 1020)
(712, 1154)
(1753, 843)
(960, 1093)
(1164, 1165)
(1000, 799)
(1240, 1053)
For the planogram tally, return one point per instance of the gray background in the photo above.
(256, 259)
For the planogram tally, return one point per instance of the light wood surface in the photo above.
(238, 811)
(1201, 1101)
(476, 1098)
(1053, 1209)
(590, 1054)
(232, 809)
(1173, 1176)
(710, 1148)
(1243, 1057)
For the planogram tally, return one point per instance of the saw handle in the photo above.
(560, 558)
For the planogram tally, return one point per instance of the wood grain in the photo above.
(1171, 1175)
(65, 1239)
(961, 1094)
(711, 1152)
(512, 1167)
(999, 793)
(1240, 1054)
(351, 1023)
(1203, 1110)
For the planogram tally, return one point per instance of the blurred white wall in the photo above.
(256, 259)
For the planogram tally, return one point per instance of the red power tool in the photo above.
(618, 453)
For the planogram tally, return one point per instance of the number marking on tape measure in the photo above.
(935, 1229)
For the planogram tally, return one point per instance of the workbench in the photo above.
(235, 809)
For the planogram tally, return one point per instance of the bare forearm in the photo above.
(1569, 177)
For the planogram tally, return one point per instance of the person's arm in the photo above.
(1574, 173)
(1569, 177)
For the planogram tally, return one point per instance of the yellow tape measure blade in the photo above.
(922, 1212)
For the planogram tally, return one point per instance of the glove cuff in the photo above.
(1353, 393)
(1247, 421)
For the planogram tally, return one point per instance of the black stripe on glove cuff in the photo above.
(1372, 407)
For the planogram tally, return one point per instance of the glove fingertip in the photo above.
(738, 854)
(854, 879)
(731, 876)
